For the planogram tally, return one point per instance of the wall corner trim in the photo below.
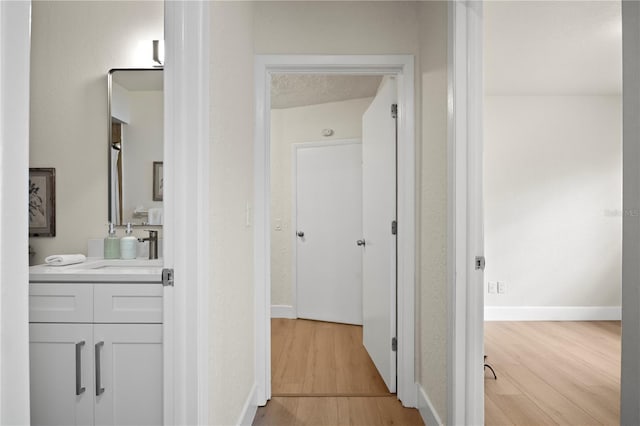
(426, 409)
(283, 311)
(552, 313)
(249, 408)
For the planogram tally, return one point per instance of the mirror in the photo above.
(136, 111)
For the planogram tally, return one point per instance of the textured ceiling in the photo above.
(553, 47)
(293, 90)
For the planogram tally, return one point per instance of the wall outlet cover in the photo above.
(492, 287)
(502, 287)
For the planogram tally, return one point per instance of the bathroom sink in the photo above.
(136, 270)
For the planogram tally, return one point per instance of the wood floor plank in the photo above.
(553, 372)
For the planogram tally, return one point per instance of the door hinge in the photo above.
(394, 110)
(167, 277)
(480, 262)
(394, 344)
(394, 228)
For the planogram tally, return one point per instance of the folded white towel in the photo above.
(65, 259)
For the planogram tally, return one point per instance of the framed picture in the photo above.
(42, 202)
(158, 183)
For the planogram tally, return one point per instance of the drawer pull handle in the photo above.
(79, 388)
(99, 387)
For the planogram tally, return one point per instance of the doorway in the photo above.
(401, 67)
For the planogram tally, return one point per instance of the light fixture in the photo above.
(158, 53)
(327, 132)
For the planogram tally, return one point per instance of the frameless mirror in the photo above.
(136, 146)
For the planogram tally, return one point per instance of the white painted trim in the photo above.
(552, 313)
(186, 206)
(403, 67)
(15, 45)
(465, 237)
(249, 409)
(283, 311)
(294, 211)
(630, 384)
(426, 409)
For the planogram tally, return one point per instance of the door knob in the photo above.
(300, 234)
(361, 243)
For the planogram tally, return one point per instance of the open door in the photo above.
(379, 237)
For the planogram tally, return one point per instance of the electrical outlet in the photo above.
(502, 287)
(492, 287)
(278, 226)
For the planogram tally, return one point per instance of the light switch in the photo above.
(492, 287)
(278, 224)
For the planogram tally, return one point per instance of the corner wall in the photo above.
(231, 304)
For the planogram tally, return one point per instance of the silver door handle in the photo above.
(99, 388)
(300, 234)
(79, 388)
(361, 242)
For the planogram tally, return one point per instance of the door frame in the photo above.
(294, 215)
(186, 234)
(402, 66)
(465, 241)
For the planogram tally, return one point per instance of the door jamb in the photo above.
(294, 215)
(465, 381)
(187, 236)
(403, 67)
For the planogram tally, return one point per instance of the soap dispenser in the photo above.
(128, 244)
(112, 244)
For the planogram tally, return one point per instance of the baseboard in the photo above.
(552, 313)
(282, 311)
(249, 409)
(427, 412)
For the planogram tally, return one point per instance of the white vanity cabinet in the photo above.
(96, 353)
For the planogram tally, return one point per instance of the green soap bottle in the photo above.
(112, 244)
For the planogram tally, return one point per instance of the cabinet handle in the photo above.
(79, 388)
(99, 388)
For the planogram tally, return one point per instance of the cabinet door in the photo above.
(128, 374)
(61, 374)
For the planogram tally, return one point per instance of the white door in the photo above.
(328, 204)
(61, 374)
(128, 373)
(379, 251)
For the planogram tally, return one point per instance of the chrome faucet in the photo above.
(153, 243)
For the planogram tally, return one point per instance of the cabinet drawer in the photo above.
(128, 303)
(60, 303)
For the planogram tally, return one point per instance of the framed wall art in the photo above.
(42, 202)
(158, 183)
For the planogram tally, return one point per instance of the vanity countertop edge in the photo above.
(95, 270)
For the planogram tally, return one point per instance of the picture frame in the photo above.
(158, 181)
(42, 202)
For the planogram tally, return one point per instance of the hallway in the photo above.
(322, 375)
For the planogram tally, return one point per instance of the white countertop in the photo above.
(100, 270)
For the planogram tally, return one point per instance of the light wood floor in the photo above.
(321, 358)
(564, 373)
(322, 375)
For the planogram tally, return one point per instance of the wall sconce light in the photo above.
(158, 53)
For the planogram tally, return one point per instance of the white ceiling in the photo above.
(294, 90)
(553, 47)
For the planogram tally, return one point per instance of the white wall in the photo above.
(298, 125)
(142, 144)
(231, 301)
(553, 199)
(74, 45)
